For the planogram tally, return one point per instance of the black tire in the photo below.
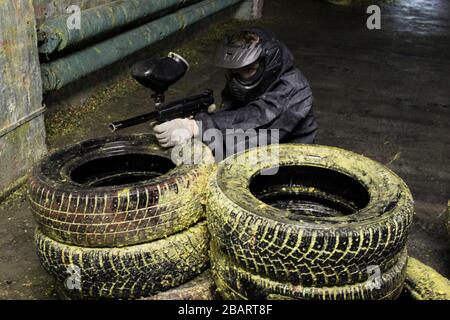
(200, 288)
(234, 283)
(360, 216)
(130, 272)
(117, 191)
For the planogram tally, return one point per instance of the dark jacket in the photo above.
(287, 105)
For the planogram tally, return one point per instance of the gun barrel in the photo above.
(119, 125)
(187, 107)
(176, 109)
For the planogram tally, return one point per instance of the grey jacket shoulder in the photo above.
(286, 105)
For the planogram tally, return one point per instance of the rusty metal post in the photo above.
(22, 129)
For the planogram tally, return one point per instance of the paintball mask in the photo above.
(231, 56)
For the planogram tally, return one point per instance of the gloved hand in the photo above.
(175, 132)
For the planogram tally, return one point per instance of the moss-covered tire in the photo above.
(130, 272)
(199, 288)
(363, 220)
(118, 191)
(233, 283)
(425, 283)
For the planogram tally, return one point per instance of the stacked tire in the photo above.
(307, 222)
(120, 217)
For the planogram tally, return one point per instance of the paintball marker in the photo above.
(159, 75)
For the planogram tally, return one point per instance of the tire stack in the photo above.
(307, 222)
(118, 219)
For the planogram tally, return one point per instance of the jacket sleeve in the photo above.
(280, 108)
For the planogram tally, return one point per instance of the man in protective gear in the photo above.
(264, 90)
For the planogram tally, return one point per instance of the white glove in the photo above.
(175, 132)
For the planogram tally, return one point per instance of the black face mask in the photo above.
(245, 90)
(270, 66)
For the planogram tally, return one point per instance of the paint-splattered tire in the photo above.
(118, 191)
(425, 283)
(235, 283)
(130, 272)
(200, 288)
(350, 214)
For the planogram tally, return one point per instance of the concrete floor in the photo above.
(382, 93)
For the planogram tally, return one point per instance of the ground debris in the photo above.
(15, 199)
(71, 120)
